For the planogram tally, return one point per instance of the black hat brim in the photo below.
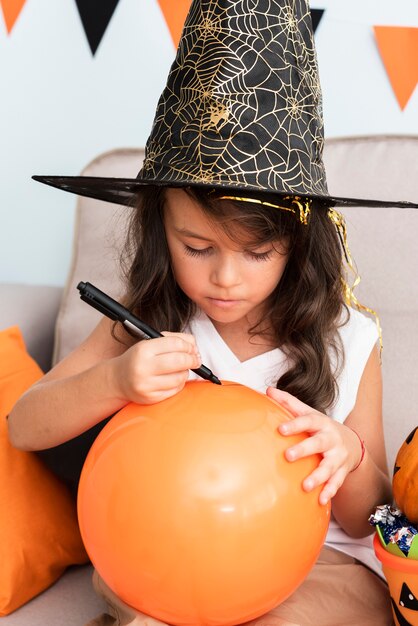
(125, 191)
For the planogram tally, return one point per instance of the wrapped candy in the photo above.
(394, 527)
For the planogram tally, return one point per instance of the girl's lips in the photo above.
(224, 304)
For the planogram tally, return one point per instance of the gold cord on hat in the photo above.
(302, 209)
(348, 290)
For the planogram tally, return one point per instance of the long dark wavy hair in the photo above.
(304, 311)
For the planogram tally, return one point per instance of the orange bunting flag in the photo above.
(175, 13)
(398, 47)
(11, 11)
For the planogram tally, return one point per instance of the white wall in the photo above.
(60, 106)
(358, 97)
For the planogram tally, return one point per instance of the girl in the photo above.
(247, 286)
(234, 250)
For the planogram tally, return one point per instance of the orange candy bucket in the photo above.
(401, 574)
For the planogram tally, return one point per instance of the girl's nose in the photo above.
(225, 272)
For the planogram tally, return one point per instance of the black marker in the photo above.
(115, 311)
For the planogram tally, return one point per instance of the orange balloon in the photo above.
(190, 512)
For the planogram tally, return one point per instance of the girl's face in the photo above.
(228, 281)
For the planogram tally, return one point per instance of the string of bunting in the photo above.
(397, 45)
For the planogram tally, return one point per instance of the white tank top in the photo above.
(358, 336)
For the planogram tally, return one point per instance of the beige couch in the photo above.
(383, 243)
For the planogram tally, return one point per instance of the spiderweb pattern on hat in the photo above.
(242, 106)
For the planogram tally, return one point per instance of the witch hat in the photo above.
(242, 109)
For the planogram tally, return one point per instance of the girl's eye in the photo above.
(260, 256)
(196, 252)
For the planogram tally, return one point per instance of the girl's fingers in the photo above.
(176, 362)
(189, 339)
(328, 474)
(164, 387)
(332, 486)
(315, 444)
(291, 403)
(308, 423)
(167, 354)
(320, 476)
(175, 380)
(326, 438)
(173, 343)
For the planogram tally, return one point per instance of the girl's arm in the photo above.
(369, 484)
(97, 379)
(354, 493)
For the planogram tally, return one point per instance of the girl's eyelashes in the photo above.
(196, 252)
(260, 256)
(256, 256)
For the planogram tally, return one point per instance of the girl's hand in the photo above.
(155, 369)
(338, 444)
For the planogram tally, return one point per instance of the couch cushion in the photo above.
(38, 525)
(383, 241)
(98, 236)
(34, 309)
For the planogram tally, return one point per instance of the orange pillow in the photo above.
(39, 535)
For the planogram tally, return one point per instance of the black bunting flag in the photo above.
(95, 16)
(316, 15)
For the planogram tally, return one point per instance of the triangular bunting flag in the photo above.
(95, 17)
(316, 15)
(11, 11)
(175, 13)
(398, 47)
